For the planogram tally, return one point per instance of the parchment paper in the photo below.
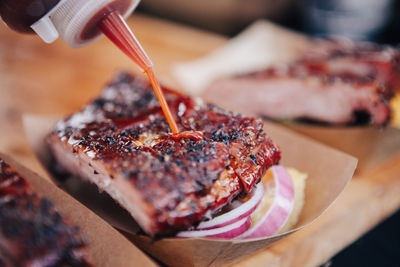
(259, 46)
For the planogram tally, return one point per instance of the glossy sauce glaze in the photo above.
(192, 135)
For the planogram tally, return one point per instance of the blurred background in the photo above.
(374, 20)
(24, 87)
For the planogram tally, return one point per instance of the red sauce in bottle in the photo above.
(91, 29)
(19, 15)
(116, 29)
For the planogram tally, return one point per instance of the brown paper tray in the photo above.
(107, 247)
(329, 171)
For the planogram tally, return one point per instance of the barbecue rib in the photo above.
(336, 81)
(121, 142)
(32, 232)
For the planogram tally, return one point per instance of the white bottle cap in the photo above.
(69, 19)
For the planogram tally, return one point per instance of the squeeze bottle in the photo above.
(80, 22)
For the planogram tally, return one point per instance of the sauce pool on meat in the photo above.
(193, 135)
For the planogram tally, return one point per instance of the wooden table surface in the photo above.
(53, 79)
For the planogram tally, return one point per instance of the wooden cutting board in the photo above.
(48, 79)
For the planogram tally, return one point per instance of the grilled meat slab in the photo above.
(32, 232)
(122, 142)
(336, 81)
(295, 94)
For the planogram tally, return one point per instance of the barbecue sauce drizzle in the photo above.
(194, 135)
(116, 29)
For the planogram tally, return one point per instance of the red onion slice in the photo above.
(229, 231)
(280, 209)
(238, 213)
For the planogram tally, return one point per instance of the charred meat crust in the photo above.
(178, 181)
(32, 232)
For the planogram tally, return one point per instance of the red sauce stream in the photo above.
(163, 102)
(116, 29)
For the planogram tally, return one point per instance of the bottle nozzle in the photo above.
(115, 28)
(46, 30)
(76, 21)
